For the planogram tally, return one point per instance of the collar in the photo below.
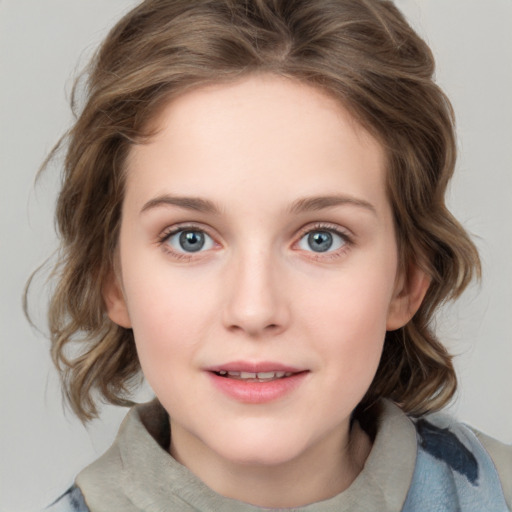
(141, 471)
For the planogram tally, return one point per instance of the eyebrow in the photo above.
(303, 205)
(316, 203)
(188, 203)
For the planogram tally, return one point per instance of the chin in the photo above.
(260, 448)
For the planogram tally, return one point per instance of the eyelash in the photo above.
(329, 228)
(317, 256)
(169, 232)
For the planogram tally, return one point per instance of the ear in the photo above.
(115, 302)
(409, 293)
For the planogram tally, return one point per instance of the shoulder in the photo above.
(501, 455)
(454, 460)
(120, 472)
(71, 501)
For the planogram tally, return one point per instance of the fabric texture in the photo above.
(428, 465)
(71, 501)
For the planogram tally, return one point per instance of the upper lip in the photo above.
(254, 367)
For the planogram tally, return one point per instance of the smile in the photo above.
(254, 376)
(256, 383)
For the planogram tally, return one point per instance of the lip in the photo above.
(254, 367)
(256, 392)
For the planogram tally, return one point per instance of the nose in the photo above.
(256, 301)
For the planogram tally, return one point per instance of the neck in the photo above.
(320, 473)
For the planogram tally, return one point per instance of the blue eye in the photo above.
(322, 241)
(190, 240)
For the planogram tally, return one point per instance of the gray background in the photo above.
(43, 43)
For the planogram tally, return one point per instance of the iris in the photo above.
(320, 241)
(191, 241)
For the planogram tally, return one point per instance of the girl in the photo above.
(252, 214)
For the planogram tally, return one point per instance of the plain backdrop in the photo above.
(43, 44)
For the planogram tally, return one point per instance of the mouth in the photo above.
(254, 376)
(255, 371)
(256, 383)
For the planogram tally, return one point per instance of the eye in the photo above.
(189, 241)
(322, 240)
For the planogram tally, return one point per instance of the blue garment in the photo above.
(71, 501)
(453, 473)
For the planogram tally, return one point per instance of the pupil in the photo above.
(191, 241)
(320, 241)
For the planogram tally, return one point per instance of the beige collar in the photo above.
(137, 473)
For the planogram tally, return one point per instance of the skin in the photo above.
(257, 290)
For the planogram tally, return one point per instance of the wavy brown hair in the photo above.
(361, 52)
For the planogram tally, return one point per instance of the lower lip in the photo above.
(257, 392)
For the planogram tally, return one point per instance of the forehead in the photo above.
(266, 132)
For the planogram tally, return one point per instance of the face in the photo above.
(258, 269)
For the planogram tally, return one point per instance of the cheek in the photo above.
(350, 323)
(356, 301)
(159, 314)
(167, 315)
(166, 339)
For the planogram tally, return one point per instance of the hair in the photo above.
(361, 52)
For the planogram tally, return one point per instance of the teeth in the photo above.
(260, 376)
(267, 375)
